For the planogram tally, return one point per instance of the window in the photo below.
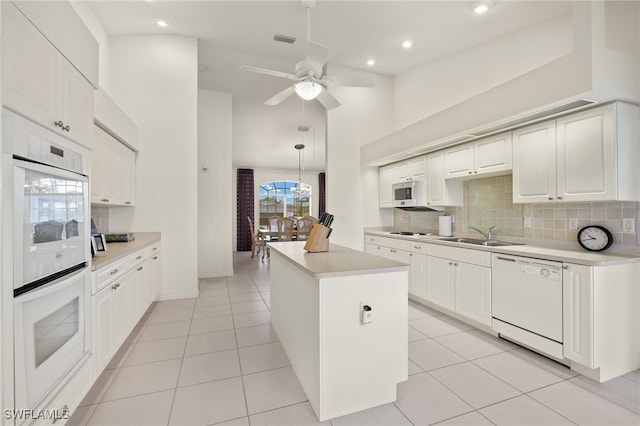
(281, 199)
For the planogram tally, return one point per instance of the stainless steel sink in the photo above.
(478, 242)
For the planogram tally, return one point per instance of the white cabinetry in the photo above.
(486, 157)
(414, 168)
(440, 191)
(113, 171)
(122, 292)
(39, 83)
(601, 319)
(411, 169)
(386, 178)
(588, 156)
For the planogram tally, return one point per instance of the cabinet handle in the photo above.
(128, 202)
(140, 268)
(565, 266)
(155, 257)
(115, 286)
(559, 198)
(138, 257)
(115, 271)
(455, 263)
(155, 248)
(470, 172)
(417, 247)
(450, 263)
(550, 198)
(475, 171)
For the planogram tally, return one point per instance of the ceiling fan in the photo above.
(309, 82)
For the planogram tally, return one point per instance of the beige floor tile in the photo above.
(167, 305)
(292, 415)
(262, 357)
(211, 294)
(257, 335)
(171, 315)
(583, 407)
(523, 411)
(208, 300)
(209, 367)
(210, 342)
(416, 312)
(413, 368)
(415, 335)
(211, 325)
(242, 287)
(156, 350)
(209, 403)
(474, 385)
(144, 378)
(165, 331)
(272, 389)
(425, 401)
(429, 355)
(120, 356)
(474, 344)
(541, 361)
(245, 297)
(244, 307)
(439, 326)
(384, 415)
(251, 319)
(242, 421)
(150, 409)
(81, 415)
(470, 419)
(622, 390)
(513, 369)
(208, 311)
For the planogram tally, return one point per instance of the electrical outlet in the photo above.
(453, 219)
(573, 223)
(527, 221)
(366, 313)
(628, 226)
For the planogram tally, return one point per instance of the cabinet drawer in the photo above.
(137, 258)
(110, 272)
(475, 257)
(421, 248)
(152, 250)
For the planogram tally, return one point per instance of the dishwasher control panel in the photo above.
(542, 271)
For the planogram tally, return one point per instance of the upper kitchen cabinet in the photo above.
(441, 191)
(39, 83)
(485, 157)
(588, 156)
(112, 171)
(411, 169)
(386, 178)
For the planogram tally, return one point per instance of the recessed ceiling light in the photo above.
(482, 6)
(407, 44)
(371, 62)
(162, 23)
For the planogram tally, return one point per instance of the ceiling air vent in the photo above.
(284, 38)
(535, 116)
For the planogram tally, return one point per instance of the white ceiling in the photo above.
(238, 32)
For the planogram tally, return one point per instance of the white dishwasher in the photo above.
(526, 302)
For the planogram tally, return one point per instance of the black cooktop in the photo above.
(407, 233)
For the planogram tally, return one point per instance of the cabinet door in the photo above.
(395, 254)
(75, 104)
(440, 282)
(493, 154)
(418, 167)
(577, 314)
(386, 179)
(121, 308)
(29, 69)
(129, 161)
(96, 178)
(586, 156)
(473, 292)
(459, 161)
(534, 163)
(403, 170)
(418, 275)
(156, 274)
(103, 327)
(435, 178)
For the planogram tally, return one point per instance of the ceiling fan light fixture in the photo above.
(407, 44)
(307, 90)
(371, 62)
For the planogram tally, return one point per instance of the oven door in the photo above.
(50, 228)
(49, 325)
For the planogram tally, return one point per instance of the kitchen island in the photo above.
(344, 362)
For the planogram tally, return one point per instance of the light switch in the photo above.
(573, 223)
(628, 225)
(527, 221)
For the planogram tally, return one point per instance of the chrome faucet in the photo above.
(488, 235)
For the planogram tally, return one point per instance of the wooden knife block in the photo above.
(317, 241)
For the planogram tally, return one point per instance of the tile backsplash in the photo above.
(100, 216)
(488, 202)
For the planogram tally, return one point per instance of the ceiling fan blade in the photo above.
(317, 55)
(281, 96)
(361, 80)
(327, 100)
(269, 72)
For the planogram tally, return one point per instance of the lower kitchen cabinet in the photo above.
(472, 288)
(418, 274)
(122, 294)
(440, 283)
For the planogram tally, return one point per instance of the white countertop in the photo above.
(558, 254)
(117, 251)
(338, 261)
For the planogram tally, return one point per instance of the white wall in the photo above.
(352, 189)
(154, 78)
(215, 189)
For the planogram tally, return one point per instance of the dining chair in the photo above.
(273, 226)
(256, 240)
(314, 220)
(285, 229)
(304, 228)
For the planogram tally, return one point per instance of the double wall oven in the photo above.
(45, 257)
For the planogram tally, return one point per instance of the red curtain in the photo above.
(322, 202)
(245, 208)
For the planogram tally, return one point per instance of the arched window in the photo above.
(283, 198)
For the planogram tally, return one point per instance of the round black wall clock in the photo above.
(595, 238)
